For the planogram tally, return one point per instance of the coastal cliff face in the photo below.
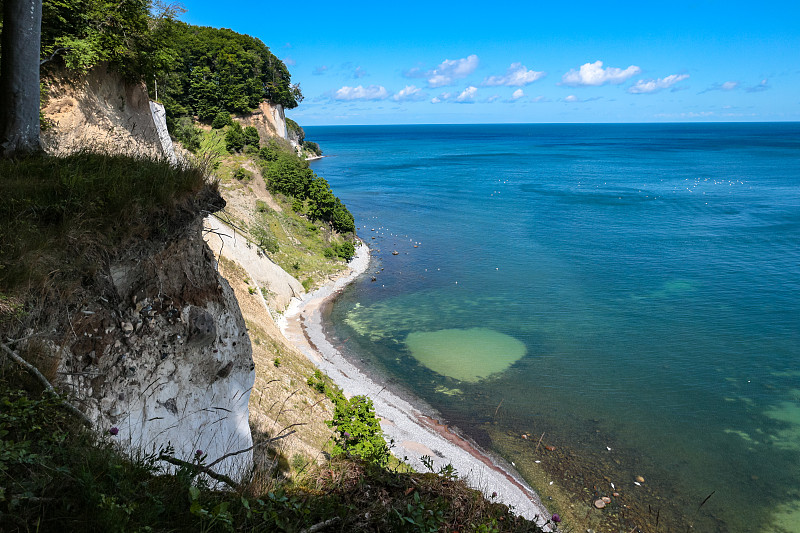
(161, 353)
(157, 346)
(99, 111)
(269, 119)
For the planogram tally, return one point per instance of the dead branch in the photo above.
(200, 468)
(43, 380)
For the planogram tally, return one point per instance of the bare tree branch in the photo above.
(200, 468)
(43, 380)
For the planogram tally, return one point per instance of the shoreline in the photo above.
(414, 433)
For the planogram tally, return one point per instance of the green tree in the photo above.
(222, 119)
(251, 137)
(188, 134)
(358, 431)
(234, 138)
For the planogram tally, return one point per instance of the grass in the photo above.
(301, 243)
(62, 217)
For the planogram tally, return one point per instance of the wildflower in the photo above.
(113, 431)
(198, 453)
(556, 519)
(346, 435)
(494, 495)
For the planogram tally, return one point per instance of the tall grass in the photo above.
(56, 211)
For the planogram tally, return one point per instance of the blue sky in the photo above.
(489, 62)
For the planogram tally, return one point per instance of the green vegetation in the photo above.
(288, 174)
(59, 215)
(219, 70)
(195, 70)
(312, 147)
(124, 33)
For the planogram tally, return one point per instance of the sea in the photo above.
(613, 308)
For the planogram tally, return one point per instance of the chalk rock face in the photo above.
(166, 359)
(269, 119)
(101, 112)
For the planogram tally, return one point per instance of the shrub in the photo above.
(222, 119)
(358, 430)
(242, 174)
(251, 137)
(188, 134)
(234, 138)
(265, 239)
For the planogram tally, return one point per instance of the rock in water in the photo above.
(599, 504)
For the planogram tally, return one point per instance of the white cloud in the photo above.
(409, 93)
(467, 96)
(289, 61)
(540, 98)
(594, 74)
(492, 98)
(359, 73)
(320, 70)
(517, 75)
(571, 98)
(450, 70)
(652, 86)
(517, 94)
(373, 92)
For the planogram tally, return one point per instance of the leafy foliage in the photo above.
(288, 174)
(219, 70)
(345, 250)
(123, 33)
(294, 130)
(311, 146)
(222, 119)
(189, 135)
(358, 431)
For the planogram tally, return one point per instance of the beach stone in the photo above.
(606, 499)
(640, 479)
(599, 504)
(616, 494)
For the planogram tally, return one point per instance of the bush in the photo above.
(234, 138)
(188, 134)
(265, 239)
(251, 137)
(358, 430)
(345, 250)
(222, 119)
(242, 174)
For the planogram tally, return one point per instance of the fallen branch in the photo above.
(200, 468)
(538, 443)
(498, 407)
(264, 443)
(321, 525)
(43, 380)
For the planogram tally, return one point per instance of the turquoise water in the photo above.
(635, 287)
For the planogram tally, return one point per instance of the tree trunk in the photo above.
(19, 77)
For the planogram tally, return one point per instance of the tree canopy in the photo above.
(198, 70)
(217, 70)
